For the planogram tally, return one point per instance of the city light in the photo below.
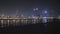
(45, 12)
(16, 19)
(45, 20)
(35, 9)
(23, 20)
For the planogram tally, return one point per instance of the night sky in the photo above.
(26, 7)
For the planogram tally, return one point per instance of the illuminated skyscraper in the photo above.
(36, 12)
(45, 14)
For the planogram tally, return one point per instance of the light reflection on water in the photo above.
(16, 24)
(45, 20)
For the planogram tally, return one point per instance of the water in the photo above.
(22, 27)
(30, 26)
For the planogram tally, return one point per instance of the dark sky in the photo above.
(26, 6)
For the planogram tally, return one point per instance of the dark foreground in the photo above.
(39, 28)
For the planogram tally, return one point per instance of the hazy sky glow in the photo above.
(26, 7)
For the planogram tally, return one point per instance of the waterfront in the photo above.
(23, 21)
(42, 28)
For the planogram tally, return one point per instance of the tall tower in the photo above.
(45, 14)
(36, 12)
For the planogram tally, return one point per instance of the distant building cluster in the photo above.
(16, 20)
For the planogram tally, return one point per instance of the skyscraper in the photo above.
(36, 12)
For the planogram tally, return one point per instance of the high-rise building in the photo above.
(36, 12)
